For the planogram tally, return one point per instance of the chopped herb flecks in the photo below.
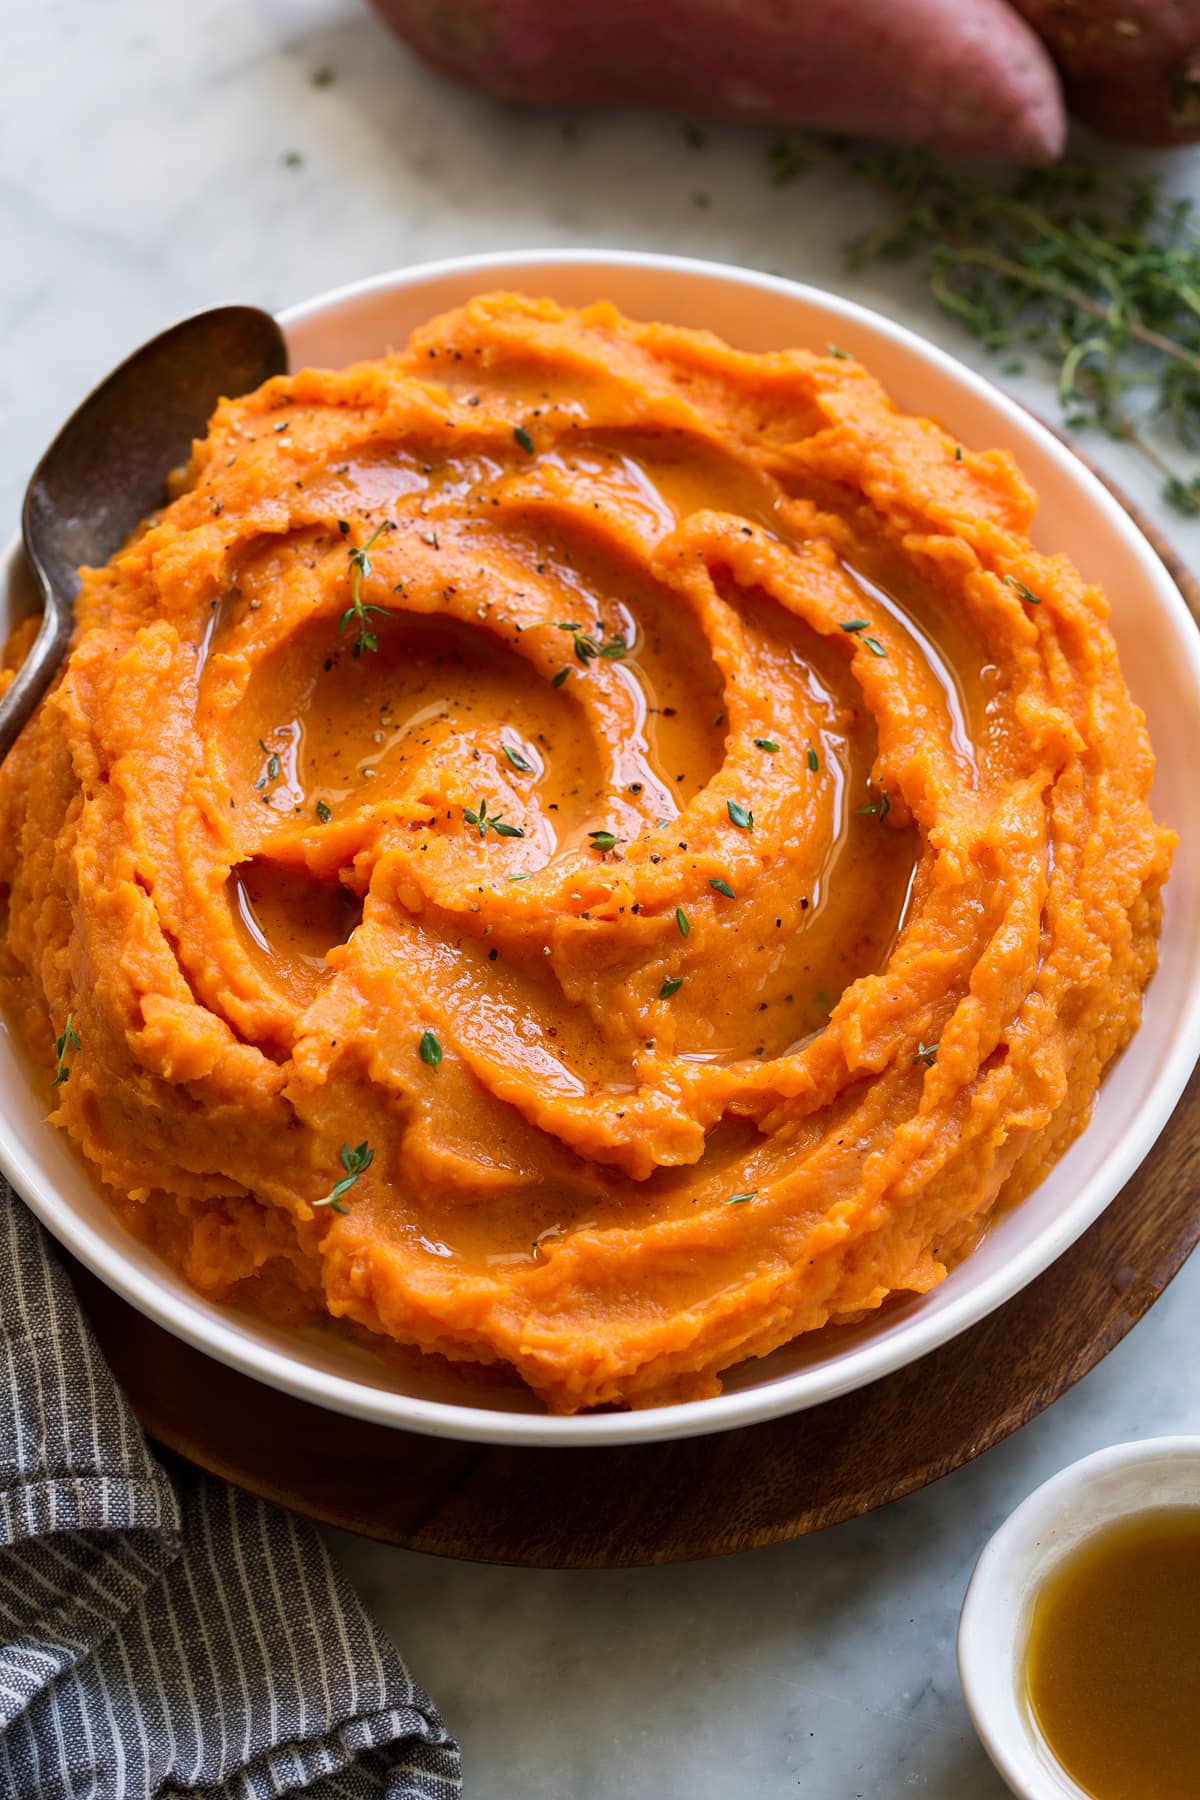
(814, 761)
(722, 887)
(670, 987)
(324, 812)
(603, 840)
(517, 760)
(523, 438)
(682, 921)
(429, 1050)
(927, 1054)
(767, 744)
(741, 1199)
(356, 1162)
(741, 818)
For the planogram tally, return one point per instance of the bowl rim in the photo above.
(201, 1322)
(993, 1619)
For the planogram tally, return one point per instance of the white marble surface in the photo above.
(145, 172)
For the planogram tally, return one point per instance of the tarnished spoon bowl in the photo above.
(107, 468)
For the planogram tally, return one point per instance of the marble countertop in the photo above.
(157, 159)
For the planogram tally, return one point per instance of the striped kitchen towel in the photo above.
(169, 1637)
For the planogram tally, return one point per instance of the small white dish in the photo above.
(1160, 653)
(1113, 1484)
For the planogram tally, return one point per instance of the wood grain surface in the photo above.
(619, 1506)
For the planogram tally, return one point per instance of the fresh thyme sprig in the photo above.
(1097, 273)
(356, 1162)
(358, 609)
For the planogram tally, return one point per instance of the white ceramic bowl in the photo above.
(1160, 650)
(1113, 1484)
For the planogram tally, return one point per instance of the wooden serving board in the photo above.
(619, 1506)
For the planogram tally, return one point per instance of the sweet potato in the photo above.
(1131, 67)
(960, 75)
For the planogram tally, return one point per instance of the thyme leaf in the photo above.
(68, 1040)
(588, 648)
(1030, 598)
(883, 806)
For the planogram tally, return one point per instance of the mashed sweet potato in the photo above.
(577, 847)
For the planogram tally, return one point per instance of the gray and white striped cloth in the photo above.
(169, 1637)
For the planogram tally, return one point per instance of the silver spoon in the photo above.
(107, 469)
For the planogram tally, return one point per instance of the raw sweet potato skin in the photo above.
(1108, 37)
(959, 75)
(1131, 68)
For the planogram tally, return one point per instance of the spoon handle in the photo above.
(33, 677)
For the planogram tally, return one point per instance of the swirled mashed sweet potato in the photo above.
(576, 847)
